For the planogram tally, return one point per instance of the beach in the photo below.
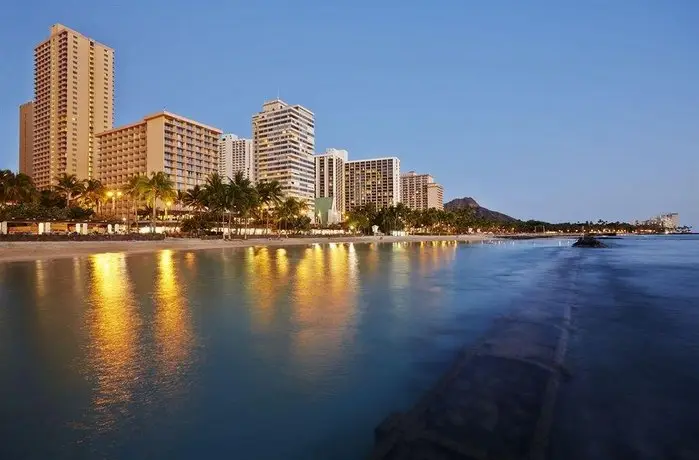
(23, 251)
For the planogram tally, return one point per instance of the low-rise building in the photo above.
(421, 192)
(186, 150)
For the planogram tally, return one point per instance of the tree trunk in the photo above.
(152, 221)
(230, 228)
(245, 233)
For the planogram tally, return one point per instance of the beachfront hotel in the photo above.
(283, 138)
(235, 155)
(184, 149)
(421, 192)
(73, 101)
(330, 185)
(375, 181)
(26, 137)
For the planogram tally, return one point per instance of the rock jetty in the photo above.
(496, 401)
(588, 241)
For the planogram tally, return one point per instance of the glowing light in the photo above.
(113, 328)
(172, 324)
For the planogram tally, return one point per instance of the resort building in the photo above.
(73, 101)
(330, 186)
(283, 138)
(26, 137)
(420, 191)
(184, 149)
(375, 181)
(235, 155)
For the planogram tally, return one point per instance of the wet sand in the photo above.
(19, 251)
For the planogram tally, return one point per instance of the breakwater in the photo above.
(497, 399)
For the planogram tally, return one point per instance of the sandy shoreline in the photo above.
(24, 251)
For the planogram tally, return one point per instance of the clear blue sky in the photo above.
(540, 109)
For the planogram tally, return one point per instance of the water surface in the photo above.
(299, 352)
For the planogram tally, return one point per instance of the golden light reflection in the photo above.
(433, 254)
(113, 327)
(372, 258)
(40, 278)
(262, 284)
(282, 263)
(172, 322)
(324, 308)
(190, 260)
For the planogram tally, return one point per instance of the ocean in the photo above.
(300, 352)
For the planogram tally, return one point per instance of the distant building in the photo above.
(669, 221)
(375, 181)
(330, 185)
(421, 192)
(235, 155)
(26, 137)
(435, 196)
(184, 149)
(73, 101)
(283, 138)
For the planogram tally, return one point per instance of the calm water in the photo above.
(298, 353)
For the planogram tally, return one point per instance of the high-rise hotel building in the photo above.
(420, 191)
(330, 181)
(235, 155)
(283, 146)
(184, 149)
(375, 181)
(26, 138)
(73, 101)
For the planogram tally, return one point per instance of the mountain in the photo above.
(479, 211)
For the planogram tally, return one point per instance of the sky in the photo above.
(551, 110)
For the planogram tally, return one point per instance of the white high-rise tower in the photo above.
(283, 138)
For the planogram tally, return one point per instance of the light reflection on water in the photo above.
(172, 324)
(175, 341)
(114, 328)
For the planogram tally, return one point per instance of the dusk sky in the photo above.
(540, 109)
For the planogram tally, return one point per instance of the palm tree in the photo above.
(134, 190)
(68, 186)
(217, 195)
(158, 187)
(194, 198)
(15, 187)
(270, 195)
(245, 199)
(290, 209)
(93, 192)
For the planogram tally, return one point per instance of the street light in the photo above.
(114, 195)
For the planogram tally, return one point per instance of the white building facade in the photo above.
(235, 154)
(283, 138)
(330, 183)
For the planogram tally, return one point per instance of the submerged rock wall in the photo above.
(495, 402)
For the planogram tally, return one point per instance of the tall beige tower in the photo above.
(73, 101)
(283, 139)
(26, 137)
